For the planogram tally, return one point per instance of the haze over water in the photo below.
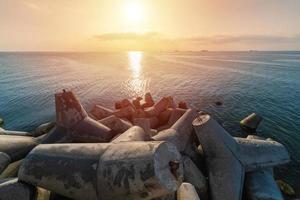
(267, 83)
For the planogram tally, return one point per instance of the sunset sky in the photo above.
(159, 25)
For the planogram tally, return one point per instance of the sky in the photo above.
(153, 25)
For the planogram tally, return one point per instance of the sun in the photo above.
(133, 12)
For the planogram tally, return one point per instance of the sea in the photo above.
(267, 83)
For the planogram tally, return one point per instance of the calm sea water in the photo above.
(264, 82)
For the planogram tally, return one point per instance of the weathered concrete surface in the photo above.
(250, 123)
(148, 102)
(135, 133)
(164, 116)
(57, 135)
(256, 154)
(196, 156)
(125, 112)
(11, 170)
(17, 133)
(125, 170)
(194, 176)
(15, 190)
(144, 172)
(228, 159)
(260, 185)
(100, 112)
(66, 169)
(143, 123)
(159, 107)
(180, 133)
(251, 137)
(43, 129)
(69, 111)
(175, 115)
(16, 147)
(89, 130)
(187, 192)
(116, 124)
(71, 115)
(4, 161)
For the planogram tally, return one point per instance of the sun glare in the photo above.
(133, 11)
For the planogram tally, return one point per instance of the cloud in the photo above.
(129, 36)
(225, 39)
(152, 40)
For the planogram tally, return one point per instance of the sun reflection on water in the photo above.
(137, 81)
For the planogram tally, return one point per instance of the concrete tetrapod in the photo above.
(187, 192)
(227, 160)
(71, 115)
(261, 185)
(15, 190)
(125, 170)
(135, 133)
(16, 147)
(194, 176)
(180, 133)
(4, 161)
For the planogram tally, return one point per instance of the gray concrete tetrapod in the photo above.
(194, 176)
(187, 192)
(250, 123)
(116, 124)
(71, 115)
(135, 133)
(17, 133)
(125, 170)
(16, 147)
(227, 160)
(14, 190)
(180, 133)
(4, 161)
(260, 184)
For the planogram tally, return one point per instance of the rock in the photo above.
(227, 159)
(187, 191)
(4, 161)
(125, 170)
(116, 124)
(100, 112)
(15, 190)
(135, 133)
(250, 123)
(194, 176)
